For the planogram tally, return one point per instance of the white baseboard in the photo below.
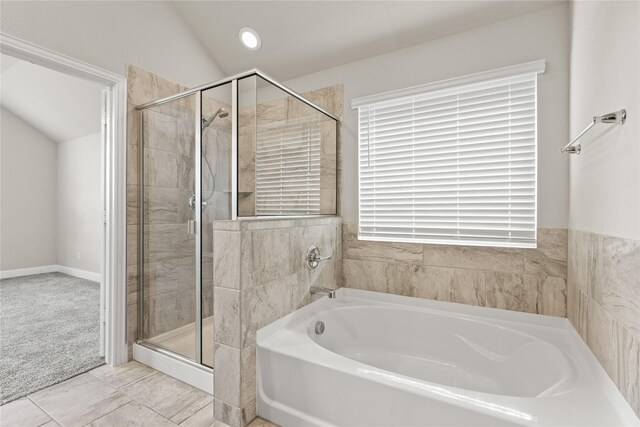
(19, 272)
(83, 274)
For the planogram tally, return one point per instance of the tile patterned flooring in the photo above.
(128, 395)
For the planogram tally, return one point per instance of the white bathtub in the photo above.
(386, 360)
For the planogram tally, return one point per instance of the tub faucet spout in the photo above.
(331, 293)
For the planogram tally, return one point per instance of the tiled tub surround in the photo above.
(604, 304)
(529, 280)
(260, 276)
(169, 144)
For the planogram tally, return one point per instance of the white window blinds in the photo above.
(288, 168)
(451, 166)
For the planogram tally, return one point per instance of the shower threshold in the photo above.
(182, 340)
(173, 352)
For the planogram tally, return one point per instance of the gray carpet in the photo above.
(49, 331)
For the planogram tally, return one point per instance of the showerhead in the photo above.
(222, 113)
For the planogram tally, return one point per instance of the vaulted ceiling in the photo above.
(58, 105)
(302, 37)
(298, 38)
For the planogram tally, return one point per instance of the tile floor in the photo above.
(128, 395)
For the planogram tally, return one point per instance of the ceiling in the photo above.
(303, 37)
(60, 106)
(298, 38)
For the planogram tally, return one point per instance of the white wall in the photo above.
(605, 76)
(79, 203)
(539, 35)
(109, 34)
(28, 209)
(50, 199)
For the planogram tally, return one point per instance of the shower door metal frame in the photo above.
(197, 179)
(197, 91)
(253, 72)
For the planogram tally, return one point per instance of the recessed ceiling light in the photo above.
(250, 39)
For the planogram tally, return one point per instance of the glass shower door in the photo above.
(185, 186)
(169, 240)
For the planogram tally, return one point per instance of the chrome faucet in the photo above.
(331, 293)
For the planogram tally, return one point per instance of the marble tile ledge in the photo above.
(260, 223)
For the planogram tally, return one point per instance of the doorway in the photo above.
(97, 257)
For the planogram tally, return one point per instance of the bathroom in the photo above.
(434, 220)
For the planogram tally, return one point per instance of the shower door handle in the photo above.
(191, 227)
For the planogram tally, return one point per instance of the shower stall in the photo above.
(245, 146)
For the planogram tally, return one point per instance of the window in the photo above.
(288, 168)
(451, 162)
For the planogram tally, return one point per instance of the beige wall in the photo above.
(79, 225)
(604, 235)
(28, 189)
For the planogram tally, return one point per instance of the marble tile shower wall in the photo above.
(169, 142)
(529, 280)
(604, 305)
(260, 276)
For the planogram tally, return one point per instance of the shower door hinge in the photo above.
(104, 217)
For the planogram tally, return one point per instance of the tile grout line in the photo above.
(127, 384)
(396, 262)
(141, 403)
(168, 419)
(118, 389)
(115, 389)
(113, 410)
(42, 409)
(200, 409)
(133, 399)
(53, 385)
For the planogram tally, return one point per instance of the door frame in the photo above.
(114, 190)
